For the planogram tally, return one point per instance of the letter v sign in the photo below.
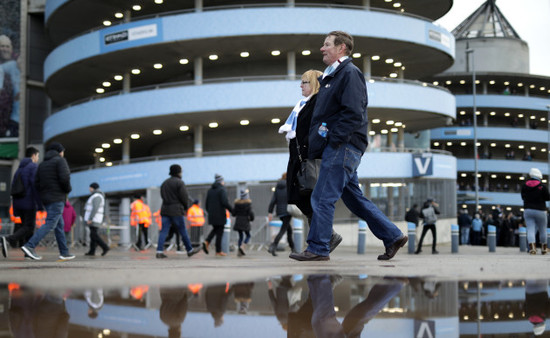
(422, 165)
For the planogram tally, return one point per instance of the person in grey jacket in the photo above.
(53, 182)
(280, 199)
(93, 216)
(216, 206)
(175, 202)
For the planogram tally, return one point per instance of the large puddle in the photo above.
(283, 306)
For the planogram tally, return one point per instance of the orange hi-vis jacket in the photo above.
(195, 216)
(140, 214)
(13, 218)
(158, 219)
(41, 218)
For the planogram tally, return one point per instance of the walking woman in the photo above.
(534, 195)
(243, 216)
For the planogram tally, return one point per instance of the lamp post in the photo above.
(476, 179)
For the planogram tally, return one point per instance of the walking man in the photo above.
(24, 206)
(93, 216)
(174, 205)
(53, 182)
(341, 108)
(216, 206)
(428, 213)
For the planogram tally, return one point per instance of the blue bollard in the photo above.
(298, 234)
(226, 236)
(412, 236)
(455, 233)
(522, 239)
(492, 238)
(362, 237)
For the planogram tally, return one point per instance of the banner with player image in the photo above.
(10, 71)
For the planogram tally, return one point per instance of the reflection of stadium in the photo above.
(206, 84)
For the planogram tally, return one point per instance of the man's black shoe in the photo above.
(335, 240)
(308, 256)
(392, 250)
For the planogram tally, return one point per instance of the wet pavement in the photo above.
(132, 294)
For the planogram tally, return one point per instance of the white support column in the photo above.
(198, 140)
(366, 4)
(291, 65)
(126, 150)
(126, 83)
(290, 3)
(124, 214)
(198, 5)
(198, 70)
(484, 87)
(367, 67)
(401, 139)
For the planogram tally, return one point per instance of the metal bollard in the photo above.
(226, 236)
(455, 233)
(362, 237)
(298, 234)
(412, 236)
(522, 239)
(492, 237)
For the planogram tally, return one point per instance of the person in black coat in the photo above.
(216, 206)
(173, 210)
(53, 182)
(25, 207)
(243, 216)
(279, 199)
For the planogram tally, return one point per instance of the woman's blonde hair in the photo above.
(311, 76)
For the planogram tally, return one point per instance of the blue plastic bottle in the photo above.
(323, 130)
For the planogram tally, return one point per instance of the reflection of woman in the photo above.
(297, 131)
(537, 304)
(534, 195)
(216, 297)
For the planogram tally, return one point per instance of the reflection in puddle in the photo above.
(283, 306)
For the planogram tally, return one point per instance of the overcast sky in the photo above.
(530, 19)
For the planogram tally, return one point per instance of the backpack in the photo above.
(17, 187)
(429, 215)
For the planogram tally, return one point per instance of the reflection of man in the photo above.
(173, 309)
(342, 107)
(323, 319)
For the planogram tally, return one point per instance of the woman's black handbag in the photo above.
(307, 175)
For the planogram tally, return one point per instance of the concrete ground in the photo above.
(122, 268)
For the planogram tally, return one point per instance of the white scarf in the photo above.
(290, 125)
